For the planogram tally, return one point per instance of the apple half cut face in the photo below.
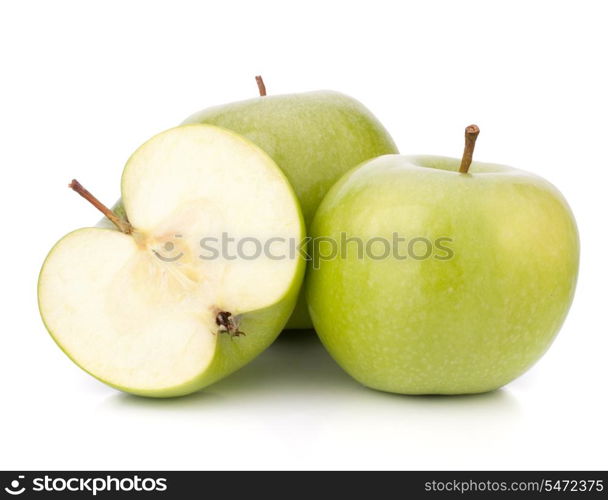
(171, 307)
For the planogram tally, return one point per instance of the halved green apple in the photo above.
(147, 307)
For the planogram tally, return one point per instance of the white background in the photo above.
(84, 83)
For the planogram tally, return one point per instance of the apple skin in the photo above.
(313, 137)
(468, 324)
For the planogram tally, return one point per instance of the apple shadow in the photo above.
(296, 362)
(298, 369)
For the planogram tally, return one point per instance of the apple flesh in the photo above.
(139, 308)
(468, 319)
(313, 137)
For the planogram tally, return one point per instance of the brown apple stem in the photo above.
(119, 222)
(470, 136)
(261, 86)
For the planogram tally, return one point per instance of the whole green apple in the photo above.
(313, 137)
(433, 278)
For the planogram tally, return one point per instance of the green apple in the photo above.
(141, 306)
(314, 137)
(464, 280)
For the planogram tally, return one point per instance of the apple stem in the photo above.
(119, 222)
(261, 86)
(470, 136)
